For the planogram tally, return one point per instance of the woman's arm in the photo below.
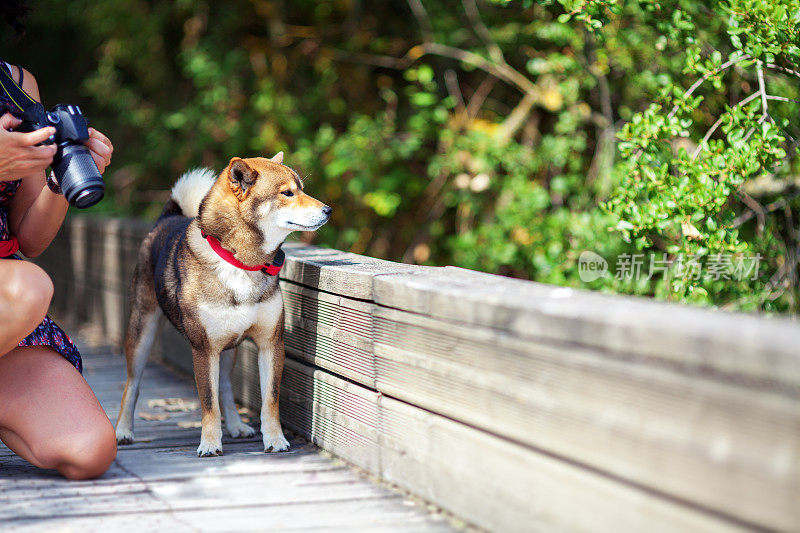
(36, 212)
(19, 153)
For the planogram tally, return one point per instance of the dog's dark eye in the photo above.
(287, 193)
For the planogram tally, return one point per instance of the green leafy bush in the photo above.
(508, 137)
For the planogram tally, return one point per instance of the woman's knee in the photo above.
(29, 290)
(85, 455)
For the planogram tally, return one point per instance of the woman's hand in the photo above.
(19, 155)
(100, 148)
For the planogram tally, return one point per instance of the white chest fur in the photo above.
(245, 285)
(223, 321)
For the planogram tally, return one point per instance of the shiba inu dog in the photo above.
(210, 266)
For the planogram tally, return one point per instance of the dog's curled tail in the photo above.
(190, 189)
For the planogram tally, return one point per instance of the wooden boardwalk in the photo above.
(158, 483)
(511, 404)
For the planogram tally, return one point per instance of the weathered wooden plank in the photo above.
(337, 272)
(304, 341)
(199, 493)
(173, 463)
(333, 413)
(346, 314)
(329, 411)
(330, 331)
(79, 251)
(374, 515)
(366, 515)
(407, 432)
(25, 496)
(110, 280)
(701, 340)
(675, 433)
(502, 486)
(133, 521)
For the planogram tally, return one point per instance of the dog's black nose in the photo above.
(327, 210)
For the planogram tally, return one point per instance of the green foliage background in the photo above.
(506, 136)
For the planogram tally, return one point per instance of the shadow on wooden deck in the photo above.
(158, 482)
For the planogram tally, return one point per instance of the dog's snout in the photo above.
(327, 210)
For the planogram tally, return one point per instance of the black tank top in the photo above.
(6, 103)
(19, 68)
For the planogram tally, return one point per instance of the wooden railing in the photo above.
(512, 404)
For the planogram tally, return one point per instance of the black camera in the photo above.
(75, 170)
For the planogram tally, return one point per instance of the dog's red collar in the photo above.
(269, 269)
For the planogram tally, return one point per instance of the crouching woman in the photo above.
(48, 414)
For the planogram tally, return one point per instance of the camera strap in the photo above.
(16, 101)
(14, 98)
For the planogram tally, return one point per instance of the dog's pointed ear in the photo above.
(277, 158)
(241, 177)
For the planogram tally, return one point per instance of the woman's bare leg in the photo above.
(25, 294)
(50, 417)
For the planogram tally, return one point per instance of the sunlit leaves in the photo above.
(674, 194)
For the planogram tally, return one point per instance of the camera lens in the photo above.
(88, 197)
(78, 176)
(53, 118)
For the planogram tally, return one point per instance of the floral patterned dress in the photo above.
(47, 333)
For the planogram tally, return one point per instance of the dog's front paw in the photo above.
(209, 449)
(240, 430)
(275, 443)
(124, 436)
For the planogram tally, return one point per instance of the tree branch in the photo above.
(479, 96)
(751, 131)
(375, 60)
(774, 206)
(451, 83)
(516, 118)
(782, 99)
(762, 88)
(423, 19)
(501, 71)
(783, 69)
(717, 124)
(474, 16)
(757, 209)
(694, 87)
(706, 76)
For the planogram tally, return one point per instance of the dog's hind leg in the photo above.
(142, 328)
(233, 422)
